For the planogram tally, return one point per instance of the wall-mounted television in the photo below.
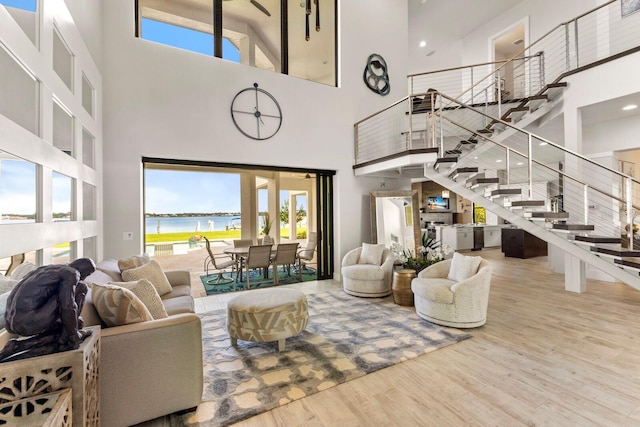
(437, 203)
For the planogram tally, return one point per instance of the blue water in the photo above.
(187, 223)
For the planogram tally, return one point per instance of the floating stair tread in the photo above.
(461, 171)
(628, 263)
(547, 215)
(527, 203)
(483, 181)
(505, 191)
(558, 84)
(573, 227)
(446, 160)
(617, 252)
(485, 131)
(598, 239)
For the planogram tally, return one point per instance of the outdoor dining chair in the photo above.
(285, 256)
(257, 257)
(220, 263)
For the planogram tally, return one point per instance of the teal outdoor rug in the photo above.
(256, 281)
(347, 337)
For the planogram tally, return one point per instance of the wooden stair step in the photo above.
(547, 215)
(627, 263)
(527, 203)
(462, 171)
(505, 192)
(453, 152)
(444, 160)
(535, 101)
(616, 252)
(475, 182)
(485, 130)
(573, 227)
(598, 239)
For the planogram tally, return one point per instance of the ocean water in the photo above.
(187, 223)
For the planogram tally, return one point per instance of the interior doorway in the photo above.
(511, 82)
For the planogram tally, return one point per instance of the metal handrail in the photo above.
(531, 134)
(533, 44)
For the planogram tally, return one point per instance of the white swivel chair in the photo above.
(367, 271)
(449, 295)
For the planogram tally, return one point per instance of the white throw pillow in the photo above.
(22, 270)
(133, 262)
(463, 267)
(153, 273)
(371, 254)
(148, 294)
(118, 306)
(7, 284)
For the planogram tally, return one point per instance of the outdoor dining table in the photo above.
(240, 253)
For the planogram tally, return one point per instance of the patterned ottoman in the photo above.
(265, 315)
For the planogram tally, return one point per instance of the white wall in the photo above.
(168, 103)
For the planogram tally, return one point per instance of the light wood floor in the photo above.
(545, 357)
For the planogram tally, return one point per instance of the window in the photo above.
(62, 60)
(88, 149)
(61, 190)
(276, 36)
(18, 83)
(87, 95)
(23, 12)
(17, 190)
(62, 128)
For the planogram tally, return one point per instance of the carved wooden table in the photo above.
(76, 370)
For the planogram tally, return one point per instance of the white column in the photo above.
(248, 206)
(574, 272)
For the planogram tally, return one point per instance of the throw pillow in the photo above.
(133, 262)
(463, 267)
(3, 306)
(7, 283)
(144, 290)
(118, 306)
(371, 254)
(22, 270)
(153, 273)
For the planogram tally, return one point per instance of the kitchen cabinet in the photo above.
(459, 238)
(492, 236)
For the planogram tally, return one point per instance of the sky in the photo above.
(199, 192)
(20, 4)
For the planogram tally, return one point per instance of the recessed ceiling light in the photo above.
(498, 161)
(422, 43)
(629, 107)
(519, 163)
(543, 143)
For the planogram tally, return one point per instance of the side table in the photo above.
(401, 286)
(76, 370)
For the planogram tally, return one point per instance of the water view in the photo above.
(190, 223)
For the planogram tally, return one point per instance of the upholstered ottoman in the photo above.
(265, 315)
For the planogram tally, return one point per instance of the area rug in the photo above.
(347, 337)
(283, 279)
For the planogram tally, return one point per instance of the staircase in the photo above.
(475, 145)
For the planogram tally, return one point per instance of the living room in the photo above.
(151, 100)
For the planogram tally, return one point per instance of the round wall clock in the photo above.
(256, 113)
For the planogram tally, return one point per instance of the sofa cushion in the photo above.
(363, 272)
(177, 305)
(437, 290)
(7, 283)
(133, 262)
(118, 306)
(89, 313)
(463, 267)
(3, 306)
(147, 293)
(98, 277)
(110, 267)
(371, 254)
(153, 273)
(22, 270)
(178, 291)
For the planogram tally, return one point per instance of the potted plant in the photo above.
(267, 223)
